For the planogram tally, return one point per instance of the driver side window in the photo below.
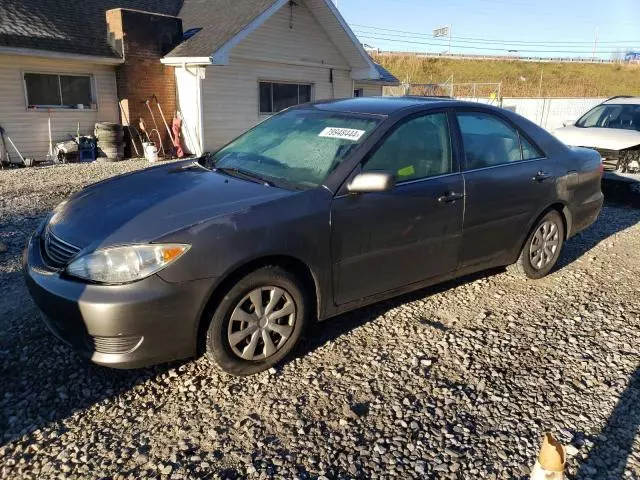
(419, 148)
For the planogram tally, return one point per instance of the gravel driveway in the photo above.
(457, 381)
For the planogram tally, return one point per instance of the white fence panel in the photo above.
(549, 113)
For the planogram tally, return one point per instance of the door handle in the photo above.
(541, 176)
(450, 197)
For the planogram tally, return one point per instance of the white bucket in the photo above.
(150, 151)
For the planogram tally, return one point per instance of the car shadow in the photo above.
(618, 214)
(27, 348)
(76, 384)
(607, 459)
(321, 333)
(622, 193)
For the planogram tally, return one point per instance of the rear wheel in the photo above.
(258, 322)
(542, 248)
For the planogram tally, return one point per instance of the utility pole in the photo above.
(595, 44)
(449, 38)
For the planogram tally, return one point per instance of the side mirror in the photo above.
(569, 123)
(370, 182)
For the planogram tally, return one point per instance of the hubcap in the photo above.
(261, 323)
(544, 245)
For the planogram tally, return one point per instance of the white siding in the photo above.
(306, 41)
(230, 94)
(369, 90)
(337, 32)
(274, 52)
(28, 129)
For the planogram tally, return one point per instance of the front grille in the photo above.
(58, 252)
(115, 345)
(610, 158)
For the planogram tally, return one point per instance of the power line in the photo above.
(492, 45)
(486, 40)
(371, 37)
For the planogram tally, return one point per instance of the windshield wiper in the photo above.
(251, 176)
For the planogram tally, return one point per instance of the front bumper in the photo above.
(121, 326)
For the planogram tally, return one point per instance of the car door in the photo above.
(507, 179)
(384, 241)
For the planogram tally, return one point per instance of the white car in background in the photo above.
(613, 129)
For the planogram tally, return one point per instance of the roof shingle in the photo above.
(68, 26)
(386, 76)
(220, 21)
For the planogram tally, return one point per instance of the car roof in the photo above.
(386, 105)
(623, 100)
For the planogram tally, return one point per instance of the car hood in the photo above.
(605, 138)
(146, 205)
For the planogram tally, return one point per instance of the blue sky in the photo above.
(558, 27)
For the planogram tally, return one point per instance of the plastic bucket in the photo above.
(150, 151)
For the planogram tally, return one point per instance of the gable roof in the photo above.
(221, 20)
(225, 23)
(68, 26)
(386, 77)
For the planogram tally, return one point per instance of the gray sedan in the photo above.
(322, 209)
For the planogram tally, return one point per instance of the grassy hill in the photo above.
(520, 79)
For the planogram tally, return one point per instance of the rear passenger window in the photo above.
(488, 141)
(419, 148)
(529, 152)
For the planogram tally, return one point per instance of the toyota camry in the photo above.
(321, 209)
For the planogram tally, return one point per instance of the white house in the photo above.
(252, 58)
(58, 66)
(224, 64)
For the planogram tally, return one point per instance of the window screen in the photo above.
(58, 91)
(275, 97)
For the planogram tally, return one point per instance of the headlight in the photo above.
(125, 264)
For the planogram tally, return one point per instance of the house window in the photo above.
(275, 97)
(358, 92)
(59, 91)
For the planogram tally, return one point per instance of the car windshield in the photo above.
(625, 117)
(298, 148)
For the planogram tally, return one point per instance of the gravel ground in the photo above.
(457, 381)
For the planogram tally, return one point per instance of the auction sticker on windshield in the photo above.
(342, 133)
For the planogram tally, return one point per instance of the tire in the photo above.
(228, 338)
(110, 146)
(111, 153)
(108, 127)
(110, 137)
(536, 267)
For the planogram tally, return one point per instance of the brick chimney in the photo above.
(143, 38)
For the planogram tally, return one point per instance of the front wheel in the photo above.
(258, 322)
(542, 248)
